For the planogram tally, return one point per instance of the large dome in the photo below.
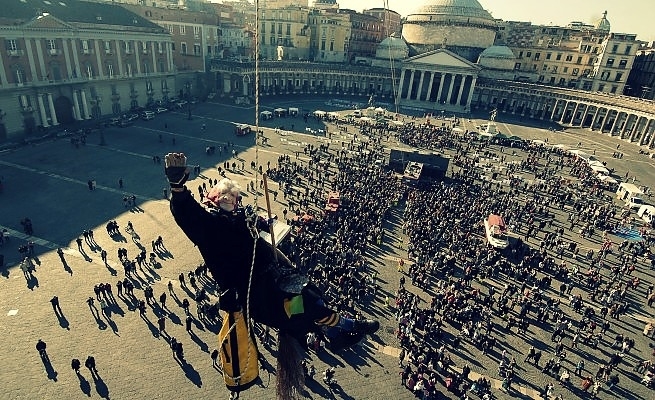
(462, 26)
(454, 8)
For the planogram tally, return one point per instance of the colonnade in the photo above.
(628, 124)
(436, 87)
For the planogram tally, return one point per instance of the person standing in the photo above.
(214, 357)
(90, 363)
(41, 348)
(75, 364)
(188, 322)
(55, 305)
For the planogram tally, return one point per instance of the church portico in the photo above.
(437, 80)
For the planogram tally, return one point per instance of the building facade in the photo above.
(367, 31)
(284, 34)
(390, 20)
(641, 81)
(331, 32)
(77, 61)
(196, 36)
(577, 56)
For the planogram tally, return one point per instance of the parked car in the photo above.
(147, 115)
(160, 110)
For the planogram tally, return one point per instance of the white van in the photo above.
(647, 213)
(627, 190)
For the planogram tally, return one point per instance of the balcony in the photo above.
(15, 53)
(54, 52)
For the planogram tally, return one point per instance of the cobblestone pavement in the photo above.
(48, 183)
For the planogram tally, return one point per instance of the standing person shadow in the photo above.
(85, 386)
(49, 369)
(101, 387)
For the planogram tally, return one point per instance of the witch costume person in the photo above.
(255, 283)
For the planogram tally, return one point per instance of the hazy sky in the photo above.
(625, 16)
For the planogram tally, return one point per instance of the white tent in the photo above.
(319, 113)
(280, 110)
(607, 179)
(333, 114)
(293, 110)
(600, 170)
(380, 110)
(266, 114)
(458, 130)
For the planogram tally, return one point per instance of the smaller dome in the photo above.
(393, 46)
(503, 52)
(603, 24)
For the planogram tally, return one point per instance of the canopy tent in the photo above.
(380, 110)
(458, 130)
(600, 170)
(319, 113)
(333, 114)
(266, 113)
(280, 110)
(607, 179)
(293, 110)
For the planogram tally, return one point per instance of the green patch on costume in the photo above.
(294, 306)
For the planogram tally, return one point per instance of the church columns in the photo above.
(442, 78)
(470, 96)
(461, 90)
(411, 85)
(450, 88)
(400, 86)
(429, 94)
(419, 90)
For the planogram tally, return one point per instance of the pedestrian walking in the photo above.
(75, 365)
(188, 321)
(214, 356)
(90, 363)
(41, 348)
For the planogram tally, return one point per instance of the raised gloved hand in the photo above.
(177, 172)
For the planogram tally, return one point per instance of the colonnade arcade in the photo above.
(276, 81)
(614, 120)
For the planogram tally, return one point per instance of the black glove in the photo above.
(229, 301)
(177, 172)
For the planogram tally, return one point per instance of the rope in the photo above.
(391, 60)
(249, 326)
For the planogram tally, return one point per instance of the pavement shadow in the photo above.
(101, 387)
(49, 369)
(192, 374)
(85, 386)
(63, 322)
(197, 340)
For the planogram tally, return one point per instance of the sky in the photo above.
(626, 16)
